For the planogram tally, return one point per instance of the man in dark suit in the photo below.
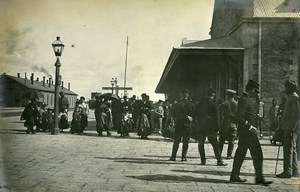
(183, 112)
(290, 125)
(207, 114)
(247, 132)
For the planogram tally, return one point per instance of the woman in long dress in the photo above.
(144, 127)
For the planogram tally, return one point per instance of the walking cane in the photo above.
(277, 159)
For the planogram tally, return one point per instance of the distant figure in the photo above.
(63, 103)
(290, 125)
(159, 115)
(228, 131)
(144, 125)
(183, 113)
(63, 112)
(273, 117)
(260, 115)
(134, 104)
(104, 118)
(84, 111)
(126, 118)
(168, 120)
(76, 121)
(30, 114)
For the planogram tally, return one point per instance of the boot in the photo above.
(230, 149)
(174, 152)
(184, 152)
(262, 181)
(202, 154)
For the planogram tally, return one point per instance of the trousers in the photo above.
(251, 142)
(213, 141)
(290, 162)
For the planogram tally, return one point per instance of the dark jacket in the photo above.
(208, 116)
(30, 114)
(228, 111)
(246, 114)
(181, 111)
(291, 113)
(63, 104)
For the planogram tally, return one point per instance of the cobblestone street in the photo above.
(65, 162)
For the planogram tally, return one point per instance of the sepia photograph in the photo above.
(149, 95)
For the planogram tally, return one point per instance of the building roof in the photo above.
(37, 85)
(276, 8)
(177, 57)
(222, 42)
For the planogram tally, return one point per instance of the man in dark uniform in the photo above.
(183, 112)
(228, 122)
(247, 132)
(208, 125)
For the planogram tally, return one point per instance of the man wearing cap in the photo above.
(207, 114)
(228, 122)
(247, 132)
(289, 125)
(183, 113)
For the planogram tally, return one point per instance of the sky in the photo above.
(94, 33)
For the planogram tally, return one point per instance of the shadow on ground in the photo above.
(176, 179)
(182, 179)
(142, 160)
(217, 172)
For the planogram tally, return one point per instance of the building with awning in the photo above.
(250, 39)
(202, 65)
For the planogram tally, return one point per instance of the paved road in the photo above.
(66, 162)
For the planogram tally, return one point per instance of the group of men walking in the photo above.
(237, 119)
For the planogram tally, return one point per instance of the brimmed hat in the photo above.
(290, 86)
(253, 85)
(231, 91)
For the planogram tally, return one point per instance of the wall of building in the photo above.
(228, 14)
(279, 55)
(48, 98)
(280, 58)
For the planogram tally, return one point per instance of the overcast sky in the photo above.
(94, 33)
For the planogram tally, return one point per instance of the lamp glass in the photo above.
(58, 47)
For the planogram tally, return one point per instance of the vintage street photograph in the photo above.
(149, 95)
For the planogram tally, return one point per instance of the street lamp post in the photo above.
(58, 49)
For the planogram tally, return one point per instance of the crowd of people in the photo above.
(236, 118)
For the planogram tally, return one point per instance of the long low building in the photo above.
(13, 90)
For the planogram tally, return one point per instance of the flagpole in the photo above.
(126, 65)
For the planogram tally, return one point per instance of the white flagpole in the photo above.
(125, 66)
